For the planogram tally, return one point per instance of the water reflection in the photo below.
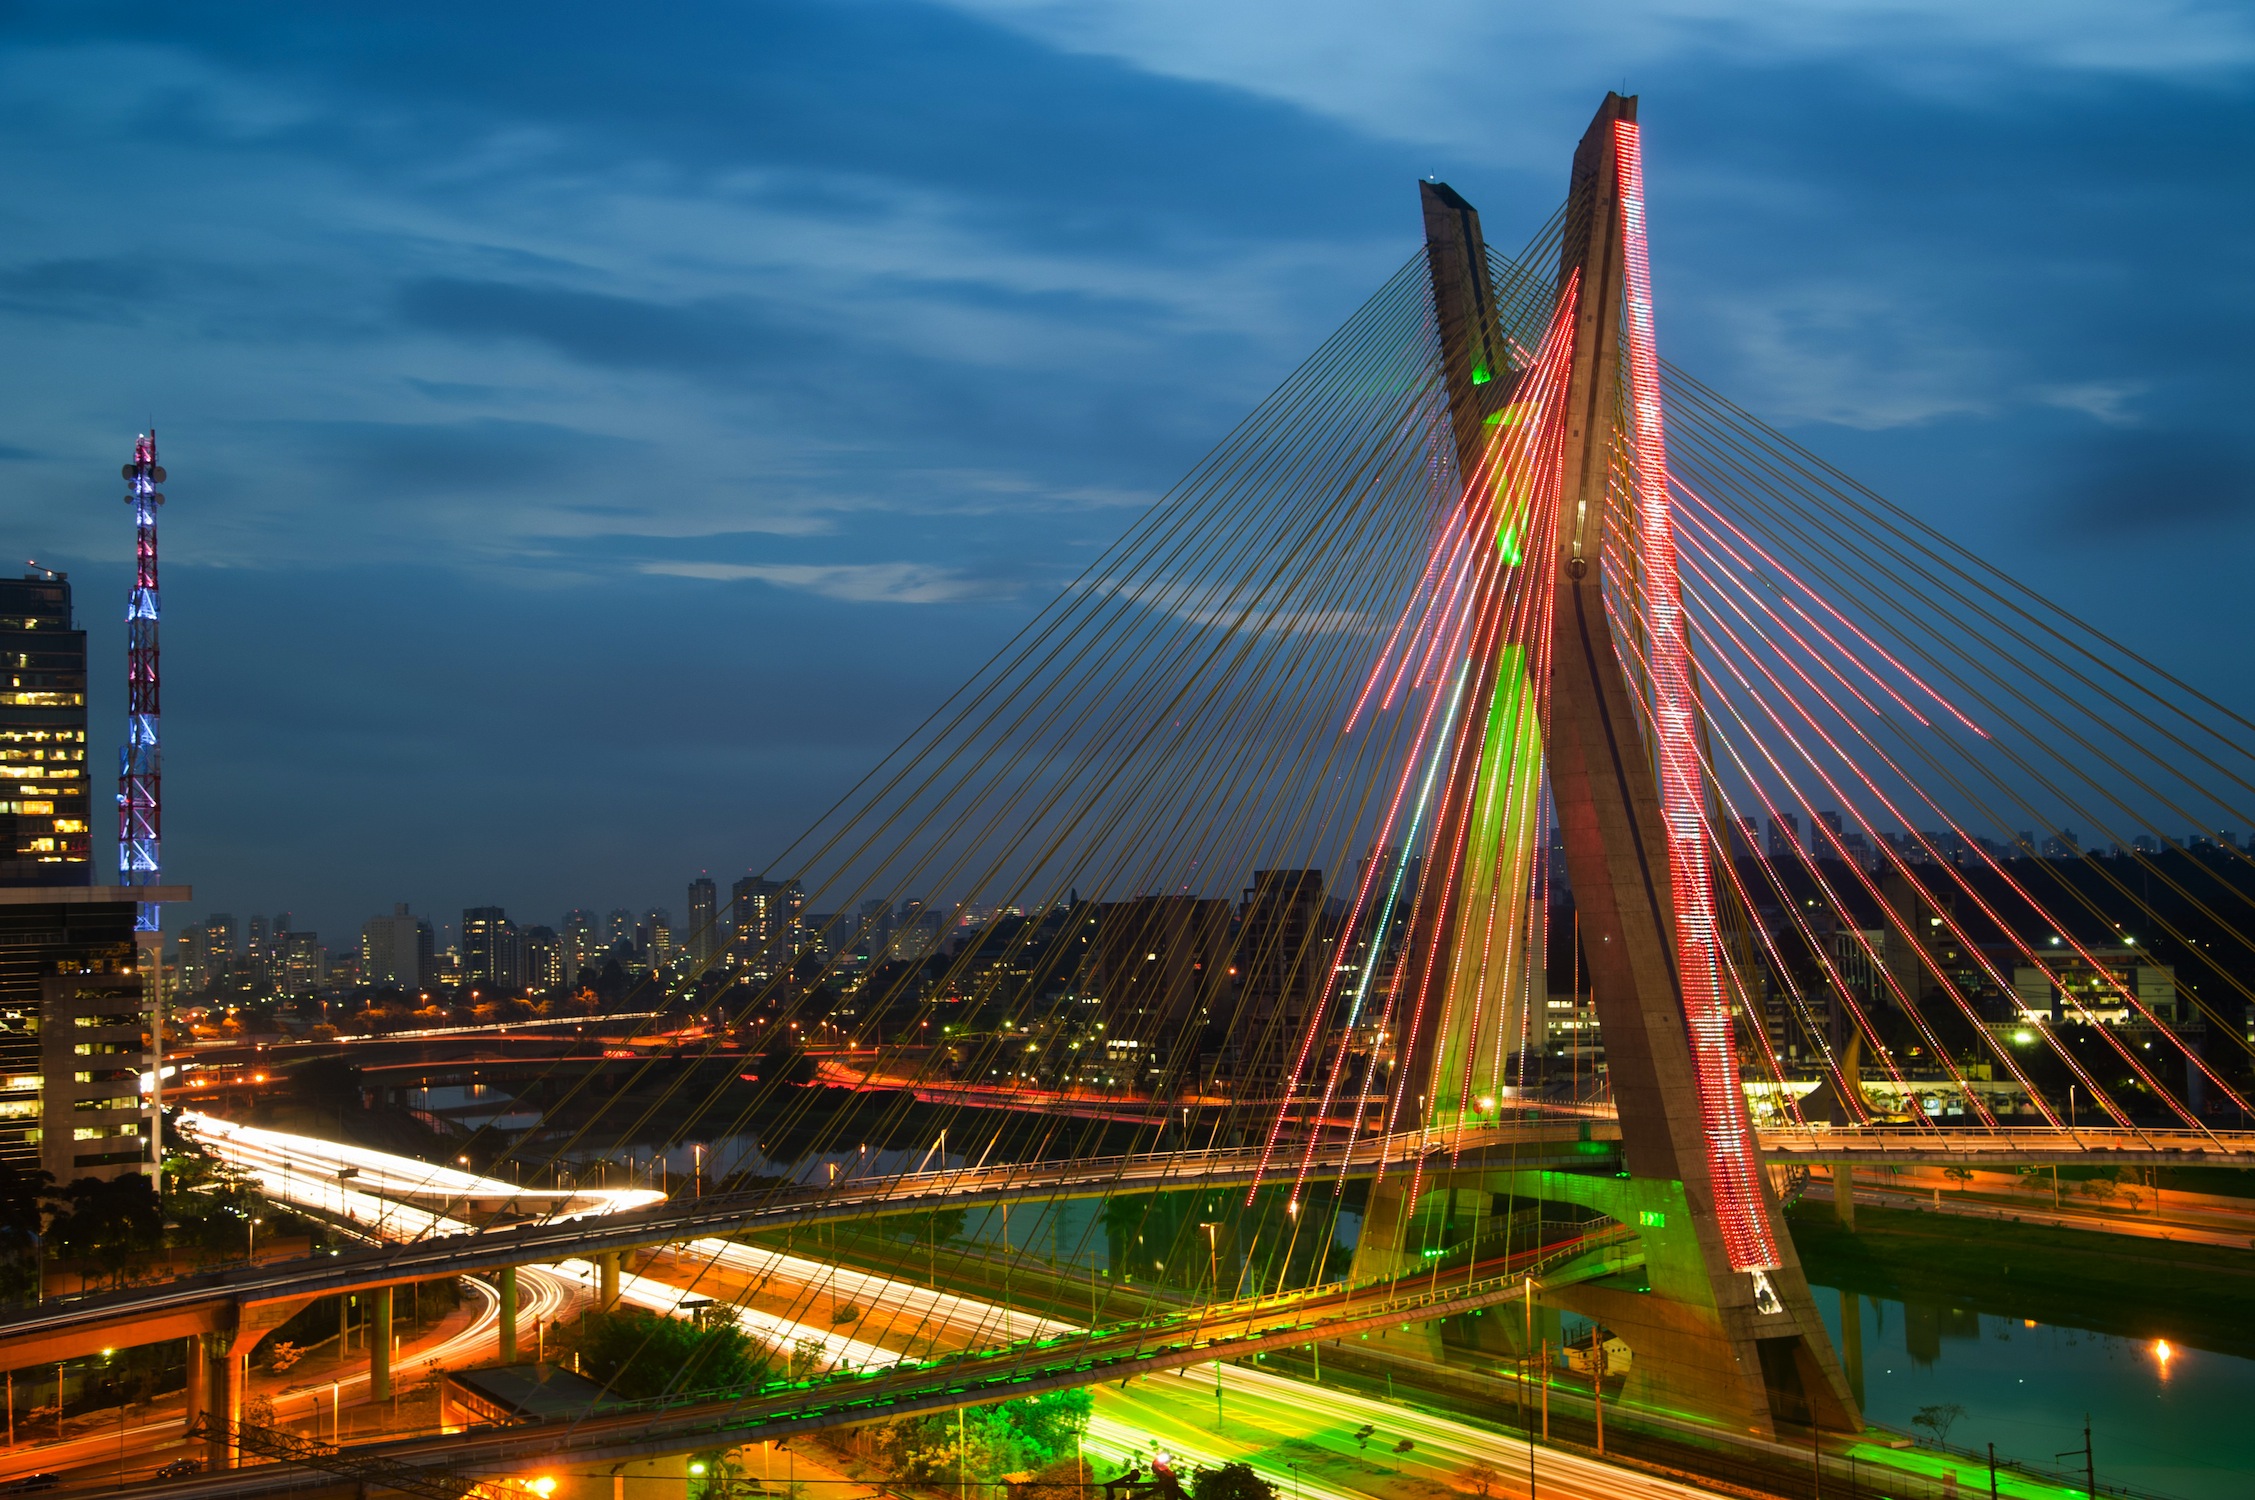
(2165, 1418)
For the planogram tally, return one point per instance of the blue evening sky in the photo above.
(597, 432)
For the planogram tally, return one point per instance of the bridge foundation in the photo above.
(1685, 1356)
(506, 1284)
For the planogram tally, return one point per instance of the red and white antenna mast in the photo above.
(140, 818)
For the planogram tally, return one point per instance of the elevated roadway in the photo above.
(242, 1299)
(1223, 1331)
(1911, 1146)
(525, 1227)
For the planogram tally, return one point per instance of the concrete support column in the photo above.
(379, 1344)
(508, 1288)
(1844, 1198)
(607, 1281)
(199, 1379)
(1852, 1344)
(225, 1378)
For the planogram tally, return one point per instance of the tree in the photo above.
(110, 1223)
(1230, 1482)
(1033, 1433)
(1482, 1479)
(639, 1354)
(1939, 1419)
(23, 1220)
(1959, 1175)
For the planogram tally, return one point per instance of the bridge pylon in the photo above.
(1721, 1322)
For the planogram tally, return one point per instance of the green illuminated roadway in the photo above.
(1223, 1331)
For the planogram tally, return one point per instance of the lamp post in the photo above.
(1213, 1261)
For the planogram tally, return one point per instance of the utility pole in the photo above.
(1597, 1386)
(2090, 1463)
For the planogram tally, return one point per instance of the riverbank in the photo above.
(2199, 1295)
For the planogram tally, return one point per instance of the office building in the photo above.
(45, 807)
(491, 952)
(704, 929)
(583, 948)
(395, 951)
(1785, 836)
(73, 1032)
(1282, 962)
(300, 964)
(1161, 965)
(767, 923)
(544, 959)
(653, 938)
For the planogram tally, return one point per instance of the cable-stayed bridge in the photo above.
(1494, 692)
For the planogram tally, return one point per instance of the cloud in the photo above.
(1823, 349)
(104, 288)
(595, 327)
(1429, 70)
(2134, 484)
(854, 583)
(2107, 400)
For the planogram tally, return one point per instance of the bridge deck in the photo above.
(1220, 1332)
(70, 1328)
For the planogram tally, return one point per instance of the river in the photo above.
(2164, 1419)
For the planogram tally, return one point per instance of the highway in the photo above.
(1261, 1410)
(388, 1194)
(783, 1408)
(573, 1226)
(519, 1226)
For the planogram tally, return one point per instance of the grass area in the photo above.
(2201, 1295)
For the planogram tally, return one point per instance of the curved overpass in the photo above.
(242, 1300)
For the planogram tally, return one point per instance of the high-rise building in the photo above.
(395, 951)
(917, 931)
(875, 933)
(491, 952)
(544, 959)
(1282, 962)
(583, 948)
(704, 930)
(1785, 836)
(1161, 966)
(73, 1035)
(653, 937)
(257, 955)
(45, 838)
(300, 964)
(767, 923)
(618, 928)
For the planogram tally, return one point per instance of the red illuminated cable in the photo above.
(2035, 957)
(1733, 1155)
(1826, 605)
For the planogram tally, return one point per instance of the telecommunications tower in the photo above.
(140, 818)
